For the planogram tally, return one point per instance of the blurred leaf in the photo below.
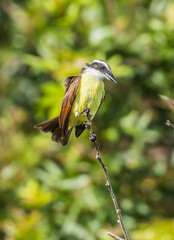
(157, 229)
(33, 196)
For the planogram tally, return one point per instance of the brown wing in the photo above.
(72, 84)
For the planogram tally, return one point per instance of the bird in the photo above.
(83, 90)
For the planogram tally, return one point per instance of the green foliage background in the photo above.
(50, 192)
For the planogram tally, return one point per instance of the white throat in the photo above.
(95, 73)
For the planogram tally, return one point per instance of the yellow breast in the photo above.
(90, 93)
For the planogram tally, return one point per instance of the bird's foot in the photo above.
(86, 112)
(87, 115)
(78, 115)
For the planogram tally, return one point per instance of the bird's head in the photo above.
(100, 69)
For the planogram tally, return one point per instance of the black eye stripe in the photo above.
(95, 65)
(98, 66)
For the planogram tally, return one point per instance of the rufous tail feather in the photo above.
(52, 125)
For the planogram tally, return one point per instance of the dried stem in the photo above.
(171, 105)
(88, 125)
(168, 123)
(169, 102)
(114, 236)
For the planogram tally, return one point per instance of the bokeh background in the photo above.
(50, 192)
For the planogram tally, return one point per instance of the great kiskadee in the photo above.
(83, 90)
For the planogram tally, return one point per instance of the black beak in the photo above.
(111, 77)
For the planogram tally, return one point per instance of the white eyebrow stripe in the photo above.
(102, 62)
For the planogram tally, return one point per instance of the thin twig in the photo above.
(114, 236)
(169, 124)
(167, 100)
(88, 125)
(171, 105)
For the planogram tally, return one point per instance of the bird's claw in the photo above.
(87, 114)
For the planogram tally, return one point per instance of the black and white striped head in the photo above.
(101, 70)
